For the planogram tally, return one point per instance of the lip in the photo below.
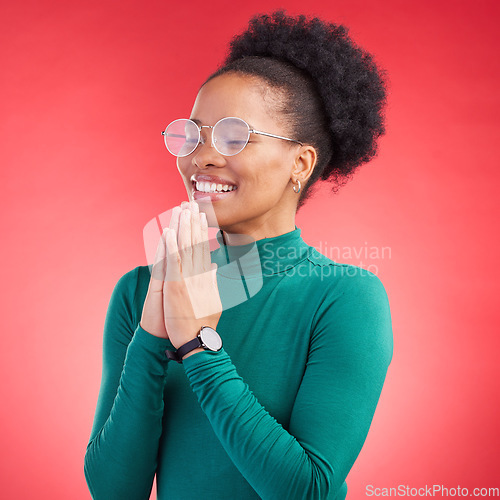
(211, 179)
(200, 195)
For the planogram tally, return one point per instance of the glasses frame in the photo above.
(200, 139)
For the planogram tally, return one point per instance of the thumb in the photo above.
(214, 273)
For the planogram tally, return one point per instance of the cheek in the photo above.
(270, 171)
(183, 168)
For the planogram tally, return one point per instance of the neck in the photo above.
(258, 258)
(235, 239)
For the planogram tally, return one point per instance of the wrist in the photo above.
(153, 331)
(207, 339)
(194, 351)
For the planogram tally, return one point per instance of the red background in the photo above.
(86, 88)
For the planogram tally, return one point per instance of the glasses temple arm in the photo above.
(172, 135)
(275, 136)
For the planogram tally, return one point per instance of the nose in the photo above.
(206, 155)
(204, 135)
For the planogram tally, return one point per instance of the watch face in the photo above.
(211, 338)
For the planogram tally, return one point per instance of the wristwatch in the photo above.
(207, 338)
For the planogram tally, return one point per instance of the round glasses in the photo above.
(229, 136)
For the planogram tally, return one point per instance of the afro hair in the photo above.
(335, 93)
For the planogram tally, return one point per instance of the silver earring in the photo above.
(298, 182)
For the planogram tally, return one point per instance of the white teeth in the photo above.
(213, 188)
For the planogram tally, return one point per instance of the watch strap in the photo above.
(187, 347)
(172, 355)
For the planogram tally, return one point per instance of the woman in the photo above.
(282, 409)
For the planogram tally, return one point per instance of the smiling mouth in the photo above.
(207, 187)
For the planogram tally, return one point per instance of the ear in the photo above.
(304, 163)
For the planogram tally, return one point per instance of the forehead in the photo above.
(235, 95)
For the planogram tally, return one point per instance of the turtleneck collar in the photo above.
(263, 257)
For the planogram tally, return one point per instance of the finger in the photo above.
(205, 243)
(193, 205)
(174, 219)
(214, 275)
(159, 265)
(173, 271)
(198, 263)
(185, 244)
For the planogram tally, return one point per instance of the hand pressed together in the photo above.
(183, 295)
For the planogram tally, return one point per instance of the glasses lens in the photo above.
(230, 135)
(182, 137)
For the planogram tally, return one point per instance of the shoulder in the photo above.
(355, 307)
(126, 285)
(134, 280)
(129, 278)
(346, 279)
(124, 298)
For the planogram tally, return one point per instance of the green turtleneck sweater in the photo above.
(280, 413)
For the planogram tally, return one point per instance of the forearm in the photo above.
(120, 461)
(270, 458)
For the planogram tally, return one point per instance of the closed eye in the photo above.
(235, 143)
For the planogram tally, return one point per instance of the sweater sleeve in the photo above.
(349, 354)
(121, 456)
